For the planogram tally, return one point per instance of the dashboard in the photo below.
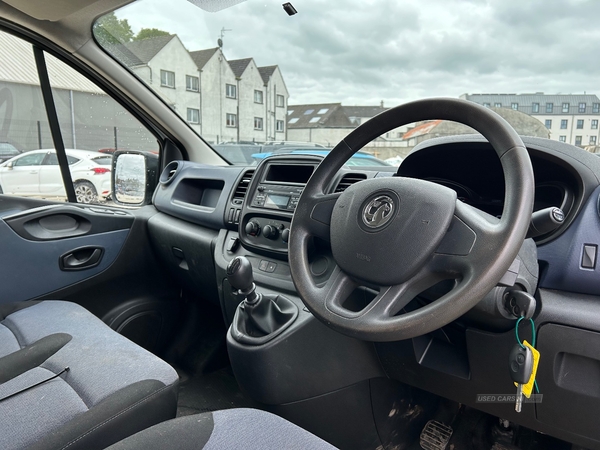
(207, 215)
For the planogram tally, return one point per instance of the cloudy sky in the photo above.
(360, 52)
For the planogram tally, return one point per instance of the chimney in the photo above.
(381, 104)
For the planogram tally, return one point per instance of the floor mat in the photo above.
(211, 392)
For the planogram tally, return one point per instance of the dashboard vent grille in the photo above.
(242, 188)
(348, 180)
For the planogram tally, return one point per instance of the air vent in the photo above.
(168, 174)
(242, 188)
(348, 180)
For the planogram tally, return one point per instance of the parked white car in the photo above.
(37, 174)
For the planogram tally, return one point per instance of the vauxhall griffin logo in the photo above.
(378, 211)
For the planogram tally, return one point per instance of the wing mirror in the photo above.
(134, 177)
(10, 165)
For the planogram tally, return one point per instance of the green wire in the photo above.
(533, 339)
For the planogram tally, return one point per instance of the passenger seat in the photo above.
(107, 387)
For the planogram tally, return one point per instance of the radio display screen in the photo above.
(277, 201)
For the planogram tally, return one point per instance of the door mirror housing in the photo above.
(10, 165)
(134, 177)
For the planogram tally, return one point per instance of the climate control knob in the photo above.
(253, 228)
(270, 232)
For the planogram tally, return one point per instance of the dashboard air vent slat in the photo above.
(348, 180)
(242, 188)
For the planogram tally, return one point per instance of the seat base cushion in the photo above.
(230, 429)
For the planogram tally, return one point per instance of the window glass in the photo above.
(596, 108)
(167, 78)
(89, 121)
(280, 101)
(565, 107)
(548, 123)
(192, 83)
(579, 124)
(280, 126)
(193, 115)
(563, 124)
(498, 105)
(535, 108)
(258, 123)
(230, 91)
(577, 140)
(594, 125)
(258, 96)
(549, 107)
(582, 107)
(35, 159)
(592, 140)
(514, 106)
(231, 120)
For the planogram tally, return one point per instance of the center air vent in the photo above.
(232, 216)
(348, 180)
(242, 188)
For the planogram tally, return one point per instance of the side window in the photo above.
(92, 124)
(30, 160)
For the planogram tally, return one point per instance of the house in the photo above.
(569, 118)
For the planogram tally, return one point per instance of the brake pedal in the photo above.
(435, 436)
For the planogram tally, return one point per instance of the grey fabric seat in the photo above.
(229, 429)
(113, 387)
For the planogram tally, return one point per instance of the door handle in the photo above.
(81, 258)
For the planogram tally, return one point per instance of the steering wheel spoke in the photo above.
(471, 235)
(319, 209)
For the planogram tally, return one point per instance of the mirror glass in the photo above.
(130, 179)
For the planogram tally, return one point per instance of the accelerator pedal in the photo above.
(435, 436)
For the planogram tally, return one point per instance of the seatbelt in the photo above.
(66, 369)
(59, 146)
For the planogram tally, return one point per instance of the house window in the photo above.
(498, 105)
(548, 123)
(293, 120)
(167, 79)
(279, 126)
(565, 107)
(594, 124)
(577, 140)
(563, 124)
(487, 105)
(535, 108)
(592, 140)
(192, 83)
(230, 91)
(290, 111)
(314, 120)
(280, 101)
(231, 119)
(514, 106)
(562, 138)
(323, 110)
(193, 115)
(596, 107)
(579, 124)
(582, 107)
(549, 107)
(258, 123)
(309, 111)
(258, 96)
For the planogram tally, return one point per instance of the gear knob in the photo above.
(239, 275)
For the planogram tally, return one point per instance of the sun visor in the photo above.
(215, 5)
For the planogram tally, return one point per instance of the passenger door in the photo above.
(22, 176)
(96, 255)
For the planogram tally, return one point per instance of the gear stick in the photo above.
(260, 317)
(239, 275)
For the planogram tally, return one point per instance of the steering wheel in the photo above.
(404, 235)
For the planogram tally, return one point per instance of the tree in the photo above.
(111, 30)
(146, 33)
